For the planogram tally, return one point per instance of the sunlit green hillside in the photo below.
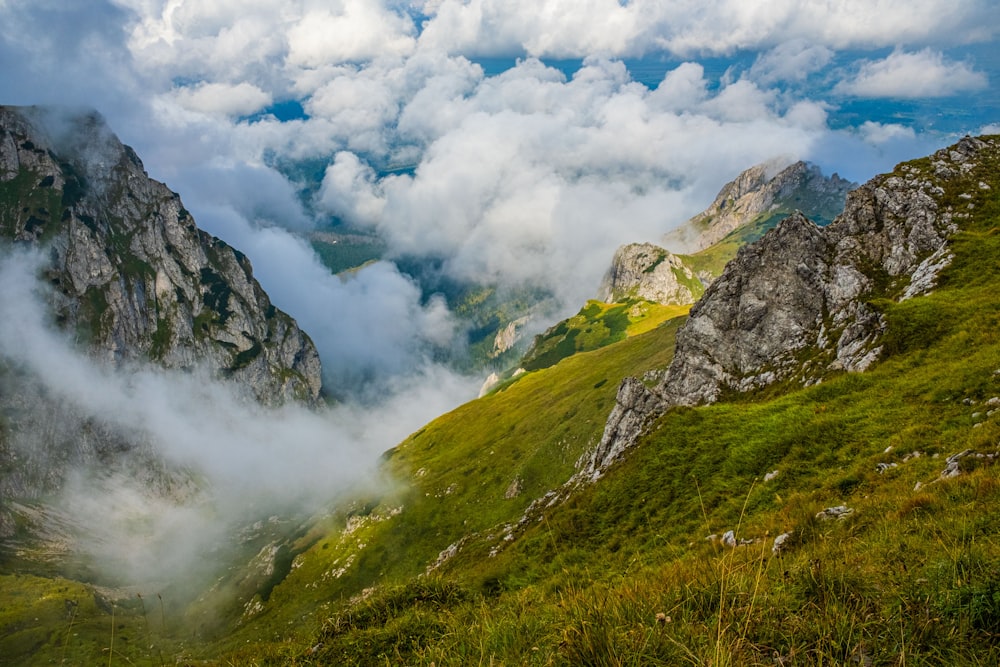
(465, 556)
(625, 570)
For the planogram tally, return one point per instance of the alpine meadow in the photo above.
(467, 332)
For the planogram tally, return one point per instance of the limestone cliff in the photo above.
(649, 272)
(130, 273)
(758, 192)
(797, 305)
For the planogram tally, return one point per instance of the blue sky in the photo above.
(536, 135)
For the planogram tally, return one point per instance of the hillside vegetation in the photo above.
(484, 552)
(624, 571)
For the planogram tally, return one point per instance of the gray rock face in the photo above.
(130, 273)
(649, 272)
(758, 191)
(793, 306)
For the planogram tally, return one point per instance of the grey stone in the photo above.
(129, 266)
(792, 307)
(838, 512)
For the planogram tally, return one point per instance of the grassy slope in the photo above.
(713, 260)
(910, 577)
(597, 325)
(456, 473)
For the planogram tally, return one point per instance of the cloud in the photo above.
(349, 190)
(241, 99)
(794, 60)
(227, 459)
(499, 192)
(529, 177)
(879, 133)
(560, 28)
(357, 30)
(924, 73)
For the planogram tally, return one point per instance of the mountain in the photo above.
(126, 274)
(647, 271)
(801, 471)
(804, 302)
(759, 194)
(742, 212)
(840, 371)
(130, 272)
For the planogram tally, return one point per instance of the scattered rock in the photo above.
(882, 467)
(515, 488)
(781, 543)
(952, 468)
(953, 464)
(771, 475)
(838, 512)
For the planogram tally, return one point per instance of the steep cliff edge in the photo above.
(129, 271)
(801, 303)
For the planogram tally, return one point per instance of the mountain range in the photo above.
(787, 463)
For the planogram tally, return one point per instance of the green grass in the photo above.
(622, 573)
(595, 326)
(58, 621)
(533, 431)
(713, 260)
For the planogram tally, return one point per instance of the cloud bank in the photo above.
(527, 177)
(532, 176)
(904, 75)
(239, 459)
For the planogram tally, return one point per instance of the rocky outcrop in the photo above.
(130, 273)
(796, 305)
(652, 273)
(758, 191)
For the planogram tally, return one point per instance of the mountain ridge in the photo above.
(757, 191)
(524, 527)
(803, 287)
(130, 271)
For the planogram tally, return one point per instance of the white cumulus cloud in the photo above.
(925, 73)
(349, 31)
(791, 61)
(240, 99)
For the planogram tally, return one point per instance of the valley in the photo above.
(797, 469)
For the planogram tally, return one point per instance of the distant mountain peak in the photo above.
(758, 191)
(798, 304)
(649, 272)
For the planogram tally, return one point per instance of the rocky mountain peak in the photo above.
(760, 190)
(130, 273)
(649, 272)
(797, 305)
